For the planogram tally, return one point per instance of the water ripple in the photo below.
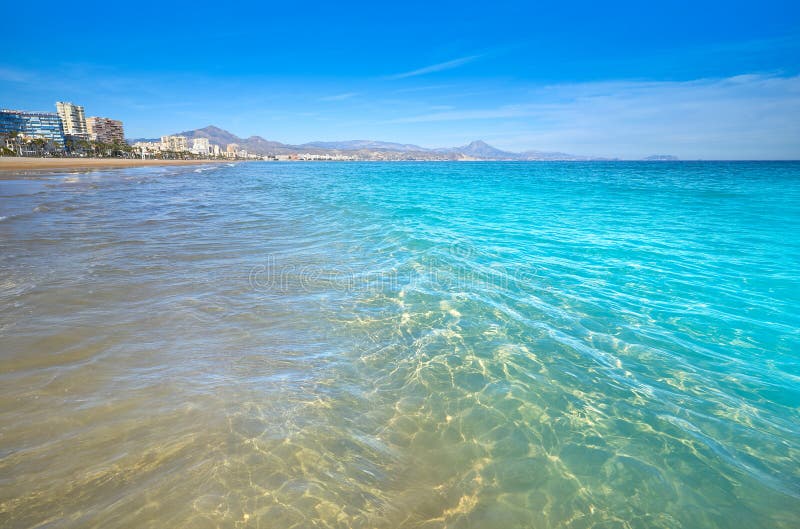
(402, 345)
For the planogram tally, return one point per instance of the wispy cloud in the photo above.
(745, 116)
(339, 97)
(448, 65)
(12, 75)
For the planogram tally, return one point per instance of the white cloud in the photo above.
(746, 116)
(448, 65)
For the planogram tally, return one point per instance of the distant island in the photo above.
(372, 150)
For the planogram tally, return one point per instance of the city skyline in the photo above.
(711, 80)
(68, 122)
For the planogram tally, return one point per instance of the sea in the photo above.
(482, 345)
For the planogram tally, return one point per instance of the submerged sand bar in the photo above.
(12, 163)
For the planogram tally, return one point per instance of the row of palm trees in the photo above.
(99, 149)
(15, 144)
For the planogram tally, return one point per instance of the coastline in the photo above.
(12, 163)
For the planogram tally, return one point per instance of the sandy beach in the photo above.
(33, 164)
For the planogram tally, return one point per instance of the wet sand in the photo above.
(22, 164)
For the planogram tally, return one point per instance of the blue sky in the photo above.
(626, 79)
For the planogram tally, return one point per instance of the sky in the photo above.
(694, 79)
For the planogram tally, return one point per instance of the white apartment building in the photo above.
(149, 146)
(200, 146)
(73, 120)
(174, 143)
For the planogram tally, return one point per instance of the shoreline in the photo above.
(13, 163)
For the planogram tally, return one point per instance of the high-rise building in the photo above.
(174, 143)
(232, 150)
(45, 125)
(200, 146)
(73, 120)
(105, 130)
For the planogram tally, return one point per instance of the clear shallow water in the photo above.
(402, 346)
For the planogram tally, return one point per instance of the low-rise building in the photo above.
(105, 130)
(149, 146)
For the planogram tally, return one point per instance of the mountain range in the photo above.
(373, 150)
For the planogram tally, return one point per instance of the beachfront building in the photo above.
(231, 150)
(147, 149)
(32, 125)
(217, 151)
(73, 120)
(200, 146)
(105, 130)
(149, 146)
(174, 143)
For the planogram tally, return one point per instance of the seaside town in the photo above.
(69, 133)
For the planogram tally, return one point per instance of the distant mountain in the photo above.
(480, 150)
(357, 145)
(215, 135)
(253, 144)
(661, 158)
(370, 149)
(543, 156)
(258, 145)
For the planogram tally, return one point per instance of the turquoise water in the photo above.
(459, 345)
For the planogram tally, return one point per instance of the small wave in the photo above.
(204, 169)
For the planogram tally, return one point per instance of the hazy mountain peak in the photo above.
(356, 145)
(372, 149)
(481, 149)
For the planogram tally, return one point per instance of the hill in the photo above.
(371, 149)
(480, 150)
(357, 145)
